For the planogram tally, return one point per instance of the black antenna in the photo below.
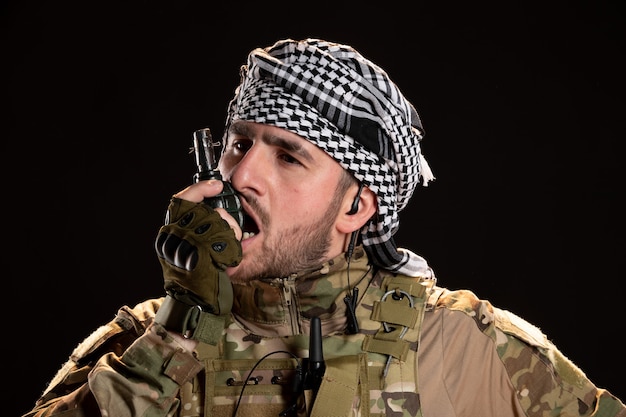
(311, 377)
(317, 366)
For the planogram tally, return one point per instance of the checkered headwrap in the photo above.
(331, 95)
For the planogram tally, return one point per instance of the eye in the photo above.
(241, 146)
(289, 159)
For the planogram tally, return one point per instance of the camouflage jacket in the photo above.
(474, 359)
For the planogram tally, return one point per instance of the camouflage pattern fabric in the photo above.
(467, 357)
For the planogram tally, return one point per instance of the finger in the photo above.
(201, 190)
(231, 222)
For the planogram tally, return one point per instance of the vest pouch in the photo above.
(345, 386)
(265, 388)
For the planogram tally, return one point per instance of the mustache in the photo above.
(254, 207)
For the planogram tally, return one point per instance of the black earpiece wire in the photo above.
(245, 381)
(353, 293)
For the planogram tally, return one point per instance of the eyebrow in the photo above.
(273, 140)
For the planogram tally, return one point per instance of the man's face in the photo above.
(288, 189)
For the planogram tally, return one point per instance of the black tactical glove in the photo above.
(194, 247)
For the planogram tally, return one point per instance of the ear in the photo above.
(367, 206)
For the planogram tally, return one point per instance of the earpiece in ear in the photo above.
(355, 204)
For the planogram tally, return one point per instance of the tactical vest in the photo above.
(371, 373)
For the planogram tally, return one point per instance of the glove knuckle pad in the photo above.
(195, 245)
(186, 255)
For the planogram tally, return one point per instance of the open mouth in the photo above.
(249, 228)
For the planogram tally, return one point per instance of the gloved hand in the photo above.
(194, 247)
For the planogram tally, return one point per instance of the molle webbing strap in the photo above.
(417, 287)
(396, 348)
(388, 312)
(190, 321)
(191, 392)
(344, 375)
(400, 316)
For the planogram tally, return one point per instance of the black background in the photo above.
(523, 106)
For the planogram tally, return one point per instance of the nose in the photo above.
(249, 172)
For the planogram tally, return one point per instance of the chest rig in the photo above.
(371, 373)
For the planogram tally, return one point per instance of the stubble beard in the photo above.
(299, 248)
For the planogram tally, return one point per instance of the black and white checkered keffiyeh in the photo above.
(331, 95)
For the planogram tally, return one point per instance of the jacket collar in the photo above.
(284, 306)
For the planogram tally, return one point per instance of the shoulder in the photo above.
(115, 336)
(131, 321)
(541, 374)
(492, 320)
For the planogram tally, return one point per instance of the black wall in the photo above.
(523, 106)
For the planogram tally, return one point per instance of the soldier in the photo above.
(305, 305)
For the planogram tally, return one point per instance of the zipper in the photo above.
(289, 292)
